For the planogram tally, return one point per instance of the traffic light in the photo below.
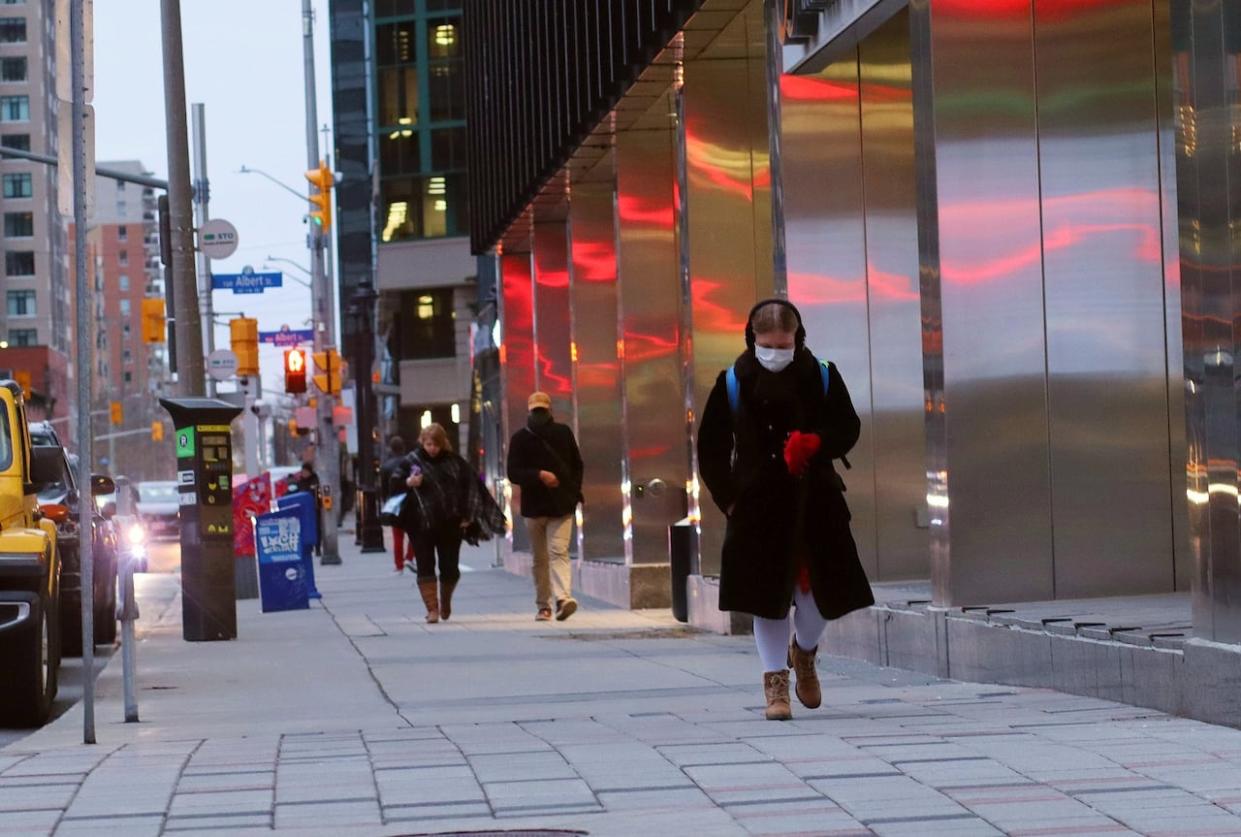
(153, 320)
(321, 178)
(244, 334)
(157, 431)
(294, 371)
(117, 413)
(23, 380)
(328, 371)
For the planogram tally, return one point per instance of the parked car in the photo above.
(29, 578)
(55, 476)
(159, 509)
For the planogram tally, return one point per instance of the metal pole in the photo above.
(128, 605)
(85, 303)
(189, 323)
(328, 444)
(202, 196)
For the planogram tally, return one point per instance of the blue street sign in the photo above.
(246, 282)
(287, 336)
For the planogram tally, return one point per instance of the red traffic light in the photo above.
(294, 371)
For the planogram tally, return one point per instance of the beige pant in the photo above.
(549, 540)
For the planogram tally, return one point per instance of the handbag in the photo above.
(390, 512)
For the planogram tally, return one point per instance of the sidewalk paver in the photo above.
(356, 717)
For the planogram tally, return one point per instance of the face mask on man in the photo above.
(773, 360)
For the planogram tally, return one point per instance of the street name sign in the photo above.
(250, 282)
(287, 337)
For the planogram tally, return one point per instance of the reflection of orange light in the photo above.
(1048, 10)
(815, 89)
(732, 170)
(653, 452)
(634, 210)
(643, 347)
(710, 315)
(598, 376)
(594, 261)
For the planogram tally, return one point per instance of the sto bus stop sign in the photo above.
(205, 476)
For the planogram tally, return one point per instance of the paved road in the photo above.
(357, 718)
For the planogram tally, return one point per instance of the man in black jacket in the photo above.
(543, 459)
(392, 481)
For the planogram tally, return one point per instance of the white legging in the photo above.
(772, 635)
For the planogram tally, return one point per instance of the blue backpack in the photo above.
(734, 392)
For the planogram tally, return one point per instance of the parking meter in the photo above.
(205, 481)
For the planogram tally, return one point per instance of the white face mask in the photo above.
(774, 360)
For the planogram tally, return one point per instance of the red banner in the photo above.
(250, 498)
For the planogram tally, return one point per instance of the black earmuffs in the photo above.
(799, 336)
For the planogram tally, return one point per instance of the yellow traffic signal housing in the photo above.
(153, 320)
(117, 413)
(157, 431)
(321, 179)
(329, 370)
(244, 334)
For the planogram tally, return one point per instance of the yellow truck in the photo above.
(29, 578)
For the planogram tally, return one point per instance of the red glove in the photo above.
(799, 450)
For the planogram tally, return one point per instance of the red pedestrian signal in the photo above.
(294, 371)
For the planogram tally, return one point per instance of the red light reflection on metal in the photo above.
(712, 316)
(643, 347)
(594, 261)
(726, 168)
(634, 210)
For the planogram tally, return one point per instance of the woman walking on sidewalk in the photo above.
(446, 503)
(770, 430)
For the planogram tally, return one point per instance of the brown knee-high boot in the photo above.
(446, 588)
(430, 599)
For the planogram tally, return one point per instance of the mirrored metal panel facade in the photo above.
(655, 454)
(553, 367)
(597, 378)
(516, 361)
(990, 482)
(1207, 51)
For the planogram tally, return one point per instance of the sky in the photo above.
(243, 61)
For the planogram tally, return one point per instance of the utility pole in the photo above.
(188, 320)
(325, 329)
(202, 196)
(85, 301)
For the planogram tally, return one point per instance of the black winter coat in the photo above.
(776, 517)
(528, 454)
(392, 475)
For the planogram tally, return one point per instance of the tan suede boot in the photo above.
(446, 588)
(776, 688)
(809, 692)
(430, 599)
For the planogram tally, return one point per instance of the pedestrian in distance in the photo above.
(308, 480)
(445, 504)
(771, 428)
(392, 482)
(544, 460)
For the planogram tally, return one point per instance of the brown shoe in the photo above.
(544, 615)
(446, 588)
(565, 608)
(809, 692)
(430, 599)
(776, 688)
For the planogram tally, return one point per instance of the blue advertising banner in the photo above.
(278, 547)
(250, 282)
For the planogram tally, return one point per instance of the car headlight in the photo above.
(136, 535)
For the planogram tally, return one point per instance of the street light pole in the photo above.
(188, 320)
(202, 195)
(328, 443)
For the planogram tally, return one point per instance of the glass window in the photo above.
(427, 325)
(19, 141)
(21, 304)
(423, 207)
(398, 95)
(392, 8)
(12, 30)
(18, 185)
(444, 37)
(18, 224)
(129, 376)
(399, 152)
(13, 69)
(123, 258)
(23, 337)
(19, 263)
(124, 307)
(443, 5)
(14, 108)
(395, 43)
(447, 91)
(6, 441)
(122, 233)
(124, 282)
(448, 149)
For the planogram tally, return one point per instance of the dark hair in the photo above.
(397, 445)
(774, 317)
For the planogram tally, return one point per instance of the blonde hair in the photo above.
(435, 433)
(774, 317)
